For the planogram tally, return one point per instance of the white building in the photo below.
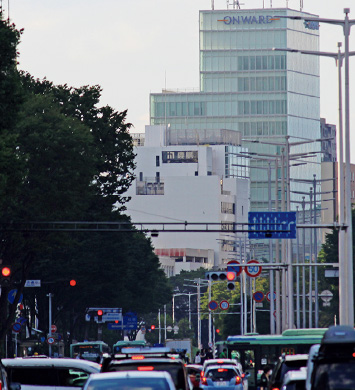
(194, 183)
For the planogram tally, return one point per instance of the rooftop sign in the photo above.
(248, 19)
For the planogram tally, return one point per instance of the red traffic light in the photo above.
(100, 313)
(72, 282)
(231, 275)
(6, 272)
(152, 327)
(217, 330)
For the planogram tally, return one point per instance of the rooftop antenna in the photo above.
(301, 5)
(235, 4)
(212, 4)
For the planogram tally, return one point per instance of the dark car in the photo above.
(334, 365)
(149, 360)
(285, 364)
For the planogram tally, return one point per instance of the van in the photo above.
(334, 364)
(48, 373)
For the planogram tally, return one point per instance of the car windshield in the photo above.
(175, 370)
(335, 376)
(129, 384)
(221, 374)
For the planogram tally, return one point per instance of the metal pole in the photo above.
(310, 325)
(283, 244)
(245, 303)
(316, 308)
(199, 313)
(159, 327)
(303, 267)
(241, 304)
(290, 313)
(271, 272)
(341, 233)
(50, 321)
(298, 310)
(349, 316)
(189, 310)
(277, 255)
(173, 309)
(209, 313)
(164, 322)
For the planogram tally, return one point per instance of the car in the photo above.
(194, 372)
(49, 373)
(226, 377)
(285, 364)
(334, 364)
(232, 362)
(131, 380)
(313, 352)
(4, 381)
(150, 359)
(295, 380)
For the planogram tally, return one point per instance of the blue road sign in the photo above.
(129, 323)
(213, 305)
(268, 224)
(11, 296)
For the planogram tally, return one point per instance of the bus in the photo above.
(117, 348)
(89, 350)
(254, 351)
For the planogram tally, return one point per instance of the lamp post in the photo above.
(346, 287)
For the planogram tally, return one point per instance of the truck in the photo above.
(180, 345)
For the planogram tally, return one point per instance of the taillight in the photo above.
(243, 375)
(220, 361)
(202, 374)
(204, 381)
(138, 357)
(0, 385)
(222, 369)
(238, 380)
(275, 388)
(144, 368)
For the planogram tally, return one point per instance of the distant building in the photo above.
(191, 182)
(328, 146)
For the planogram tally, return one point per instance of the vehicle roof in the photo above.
(148, 359)
(52, 362)
(227, 366)
(299, 356)
(296, 375)
(220, 361)
(90, 342)
(131, 374)
(196, 366)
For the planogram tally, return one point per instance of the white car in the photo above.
(130, 380)
(49, 374)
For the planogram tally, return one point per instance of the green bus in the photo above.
(89, 350)
(117, 348)
(254, 351)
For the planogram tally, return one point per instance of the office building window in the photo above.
(157, 162)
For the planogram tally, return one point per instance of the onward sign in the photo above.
(248, 19)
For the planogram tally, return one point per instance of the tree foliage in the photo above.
(65, 158)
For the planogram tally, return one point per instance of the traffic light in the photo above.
(216, 276)
(217, 330)
(72, 283)
(5, 275)
(152, 327)
(99, 315)
(231, 277)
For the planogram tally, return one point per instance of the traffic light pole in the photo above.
(50, 322)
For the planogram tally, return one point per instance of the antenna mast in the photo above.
(235, 4)
(301, 5)
(212, 4)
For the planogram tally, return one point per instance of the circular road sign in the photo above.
(224, 305)
(252, 268)
(258, 296)
(53, 328)
(213, 305)
(233, 266)
(268, 296)
(16, 327)
(50, 340)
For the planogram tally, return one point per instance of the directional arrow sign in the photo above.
(268, 224)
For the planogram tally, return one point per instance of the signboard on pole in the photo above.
(233, 266)
(268, 296)
(212, 305)
(224, 305)
(258, 296)
(272, 224)
(252, 268)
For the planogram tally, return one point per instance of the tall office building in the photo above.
(268, 96)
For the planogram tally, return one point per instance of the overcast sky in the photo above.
(134, 47)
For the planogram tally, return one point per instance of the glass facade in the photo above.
(248, 87)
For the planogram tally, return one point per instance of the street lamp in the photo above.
(346, 285)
